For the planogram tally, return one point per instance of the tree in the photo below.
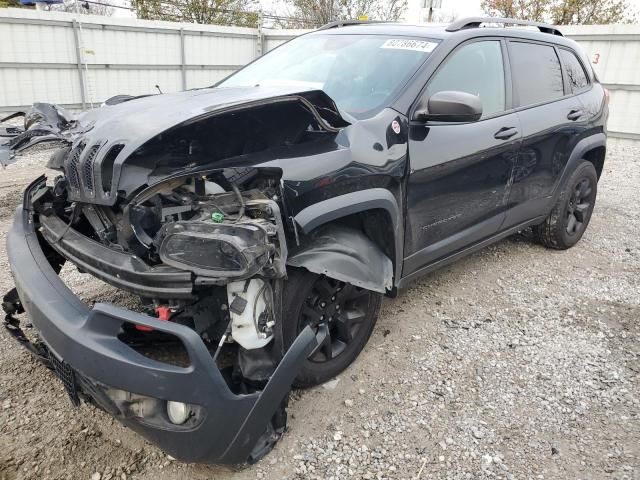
(78, 6)
(390, 10)
(444, 16)
(218, 12)
(591, 12)
(521, 9)
(13, 4)
(320, 12)
(562, 12)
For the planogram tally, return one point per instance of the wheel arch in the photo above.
(596, 156)
(591, 148)
(370, 218)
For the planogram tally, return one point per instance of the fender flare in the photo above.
(577, 154)
(347, 255)
(326, 211)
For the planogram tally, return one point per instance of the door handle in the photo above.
(574, 115)
(505, 133)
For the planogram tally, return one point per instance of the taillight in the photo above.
(607, 95)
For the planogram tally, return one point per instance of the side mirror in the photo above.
(449, 106)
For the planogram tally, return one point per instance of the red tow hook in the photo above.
(164, 314)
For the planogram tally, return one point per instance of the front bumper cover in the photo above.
(86, 339)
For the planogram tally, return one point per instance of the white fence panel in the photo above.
(614, 51)
(131, 47)
(275, 38)
(36, 43)
(24, 86)
(215, 50)
(81, 60)
(206, 77)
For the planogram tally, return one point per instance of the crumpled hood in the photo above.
(134, 122)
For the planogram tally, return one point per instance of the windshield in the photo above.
(359, 72)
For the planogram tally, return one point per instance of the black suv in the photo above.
(260, 221)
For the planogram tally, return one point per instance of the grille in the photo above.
(87, 168)
(65, 373)
(73, 166)
(107, 166)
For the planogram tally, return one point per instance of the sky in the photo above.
(449, 8)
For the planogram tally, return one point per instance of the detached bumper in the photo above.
(85, 341)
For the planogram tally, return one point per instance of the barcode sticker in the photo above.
(406, 44)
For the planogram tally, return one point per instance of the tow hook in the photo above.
(164, 314)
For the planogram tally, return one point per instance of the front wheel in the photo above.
(568, 220)
(347, 312)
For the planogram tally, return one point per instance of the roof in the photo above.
(466, 27)
(382, 28)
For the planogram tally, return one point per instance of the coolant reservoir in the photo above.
(245, 308)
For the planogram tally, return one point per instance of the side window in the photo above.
(476, 68)
(536, 72)
(573, 70)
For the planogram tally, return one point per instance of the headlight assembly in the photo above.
(210, 249)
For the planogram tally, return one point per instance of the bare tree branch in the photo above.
(219, 12)
(562, 12)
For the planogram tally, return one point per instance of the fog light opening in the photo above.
(178, 412)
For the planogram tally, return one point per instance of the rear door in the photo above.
(551, 116)
(460, 172)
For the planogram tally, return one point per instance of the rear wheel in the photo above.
(348, 313)
(568, 220)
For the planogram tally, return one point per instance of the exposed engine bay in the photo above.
(221, 232)
(185, 207)
(223, 229)
(201, 245)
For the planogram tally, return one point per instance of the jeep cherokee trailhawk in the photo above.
(260, 221)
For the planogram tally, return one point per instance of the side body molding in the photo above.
(313, 216)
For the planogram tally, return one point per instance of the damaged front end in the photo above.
(199, 232)
(44, 122)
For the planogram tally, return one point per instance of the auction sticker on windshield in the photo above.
(407, 44)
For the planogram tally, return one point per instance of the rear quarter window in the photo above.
(574, 73)
(536, 73)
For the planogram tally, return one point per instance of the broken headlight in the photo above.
(221, 250)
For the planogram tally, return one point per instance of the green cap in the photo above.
(217, 217)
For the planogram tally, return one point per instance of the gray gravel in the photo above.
(514, 363)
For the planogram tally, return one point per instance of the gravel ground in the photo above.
(515, 363)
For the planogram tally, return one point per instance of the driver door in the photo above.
(460, 174)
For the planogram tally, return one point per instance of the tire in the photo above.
(568, 220)
(304, 296)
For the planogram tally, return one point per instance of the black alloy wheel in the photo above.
(343, 313)
(580, 205)
(568, 220)
(342, 307)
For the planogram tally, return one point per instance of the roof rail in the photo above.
(475, 22)
(346, 23)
